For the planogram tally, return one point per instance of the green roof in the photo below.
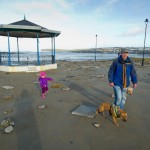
(26, 29)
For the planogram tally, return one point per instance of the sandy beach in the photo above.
(55, 127)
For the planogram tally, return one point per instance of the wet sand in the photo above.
(55, 128)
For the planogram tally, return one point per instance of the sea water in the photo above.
(77, 56)
(67, 55)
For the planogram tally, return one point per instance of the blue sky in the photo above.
(115, 22)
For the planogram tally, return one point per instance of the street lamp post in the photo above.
(146, 22)
(95, 47)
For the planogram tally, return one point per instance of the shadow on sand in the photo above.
(92, 98)
(27, 133)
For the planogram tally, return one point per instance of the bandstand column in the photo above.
(9, 59)
(54, 50)
(0, 57)
(18, 51)
(38, 54)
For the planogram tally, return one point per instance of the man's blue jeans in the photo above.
(120, 96)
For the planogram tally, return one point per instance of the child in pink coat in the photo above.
(43, 79)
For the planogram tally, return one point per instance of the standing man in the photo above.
(120, 72)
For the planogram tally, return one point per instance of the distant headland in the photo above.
(133, 50)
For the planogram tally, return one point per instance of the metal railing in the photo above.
(25, 59)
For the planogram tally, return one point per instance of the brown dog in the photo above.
(108, 107)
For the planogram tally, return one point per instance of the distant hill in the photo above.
(133, 50)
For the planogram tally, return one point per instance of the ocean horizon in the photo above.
(67, 56)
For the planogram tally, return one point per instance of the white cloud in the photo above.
(106, 7)
(133, 32)
(63, 4)
(43, 9)
(112, 2)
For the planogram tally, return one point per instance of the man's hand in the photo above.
(134, 85)
(111, 84)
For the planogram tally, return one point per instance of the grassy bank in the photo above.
(146, 60)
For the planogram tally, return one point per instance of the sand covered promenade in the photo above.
(55, 127)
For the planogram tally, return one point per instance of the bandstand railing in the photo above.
(25, 59)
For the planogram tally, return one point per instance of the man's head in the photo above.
(124, 53)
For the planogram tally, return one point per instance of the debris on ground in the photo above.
(36, 82)
(8, 111)
(8, 124)
(85, 67)
(97, 125)
(9, 129)
(42, 106)
(113, 95)
(83, 110)
(100, 76)
(66, 89)
(8, 97)
(7, 87)
(57, 85)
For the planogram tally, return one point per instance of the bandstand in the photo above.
(20, 61)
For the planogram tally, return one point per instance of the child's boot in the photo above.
(43, 96)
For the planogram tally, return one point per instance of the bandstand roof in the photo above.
(26, 29)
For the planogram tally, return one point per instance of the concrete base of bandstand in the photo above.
(27, 68)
